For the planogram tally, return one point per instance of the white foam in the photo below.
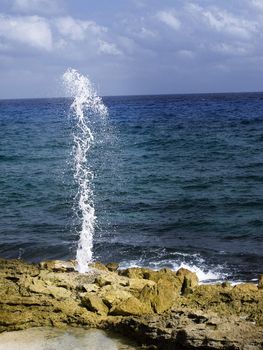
(86, 103)
(204, 275)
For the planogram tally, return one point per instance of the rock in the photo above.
(102, 281)
(131, 306)
(226, 284)
(182, 272)
(156, 275)
(144, 304)
(14, 269)
(245, 292)
(58, 265)
(260, 282)
(113, 266)
(40, 287)
(98, 266)
(185, 330)
(160, 296)
(113, 296)
(132, 272)
(188, 285)
(93, 303)
(246, 288)
(90, 287)
(136, 285)
(110, 278)
(164, 274)
(189, 280)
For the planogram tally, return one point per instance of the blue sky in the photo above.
(131, 46)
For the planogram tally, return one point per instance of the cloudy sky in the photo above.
(131, 46)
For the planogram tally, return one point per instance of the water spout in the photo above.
(86, 104)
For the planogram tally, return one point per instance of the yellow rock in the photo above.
(165, 274)
(58, 265)
(156, 275)
(94, 303)
(110, 278)
(161, 296)
(112, 296)
(113, 266)
(136, 285)
(98, 265)
(189, 280)
(260, 282)
(133, 272)
(131, 306)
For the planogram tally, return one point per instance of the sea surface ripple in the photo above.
(178, 182)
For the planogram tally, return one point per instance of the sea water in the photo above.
(44, 338)
(178, 182)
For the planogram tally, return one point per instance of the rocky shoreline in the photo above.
(159, 309)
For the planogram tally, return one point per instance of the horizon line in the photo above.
(138, 95)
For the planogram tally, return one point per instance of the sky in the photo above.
(131, 47)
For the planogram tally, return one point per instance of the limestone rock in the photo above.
(156, 275)
(111, 278)
(136, 285)
(165, 274)
(40, 287)
(160, 296)
(245, 292)
(113, 266)
(189, 280)
(94, 303)
(260, 282)
(102, 281)
(131, 306)
(226, 284)
(145, 304)
(90, 287)
(112, 296)
(58, 265)
(132, 272)
(188, 330)
(98, 266)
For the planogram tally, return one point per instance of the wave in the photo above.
(204, 274)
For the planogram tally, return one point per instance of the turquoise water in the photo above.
(178, 182)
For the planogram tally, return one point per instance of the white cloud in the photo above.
(127, 44)
(146, 33)
(232, 49)
(30, 30)
(77, 29)
(191, 36)
(37, 6)
(222, 21)
(108, 48)
(257, 4)
(186, 53)
(73, 30)
(169, 18)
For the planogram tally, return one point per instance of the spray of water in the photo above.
(86, 105)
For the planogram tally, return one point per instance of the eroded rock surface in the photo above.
(162, 309)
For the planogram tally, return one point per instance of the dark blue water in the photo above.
(178, 182)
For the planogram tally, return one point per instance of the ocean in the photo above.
(177, 182)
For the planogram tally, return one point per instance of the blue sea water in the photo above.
(178, 182)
